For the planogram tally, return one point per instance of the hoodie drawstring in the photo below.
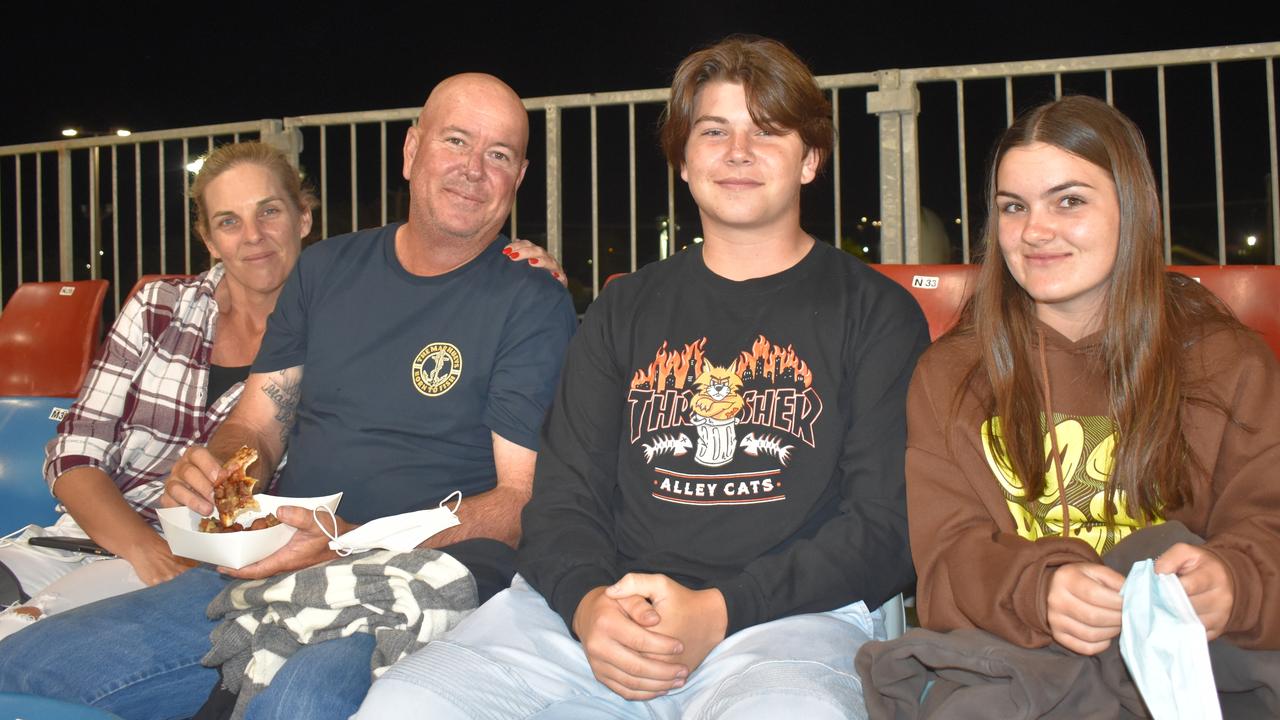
(1053, 436)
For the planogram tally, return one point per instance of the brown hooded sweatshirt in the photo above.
(985, 561)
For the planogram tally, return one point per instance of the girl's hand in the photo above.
(1084, 606)
(1207, 581)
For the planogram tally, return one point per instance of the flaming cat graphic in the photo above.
(714, 411)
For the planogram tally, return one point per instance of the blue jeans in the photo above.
(514, 658)
(138, 656)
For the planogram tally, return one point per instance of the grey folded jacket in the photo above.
(971, 673)
(974, 674)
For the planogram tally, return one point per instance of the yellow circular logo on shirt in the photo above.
(437, 368)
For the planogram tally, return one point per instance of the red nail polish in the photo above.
(514, 255)
(506, 251)
(533, 261)
(555, 275)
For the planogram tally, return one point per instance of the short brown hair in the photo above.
(226, 157)
(782, 94)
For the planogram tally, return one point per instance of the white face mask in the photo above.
(1163, 644)
(400, 533)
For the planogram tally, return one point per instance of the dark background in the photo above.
(149, 66)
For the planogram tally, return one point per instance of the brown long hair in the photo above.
(782, 94)
(1147, 316)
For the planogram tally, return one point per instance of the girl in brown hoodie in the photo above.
(1162, 407)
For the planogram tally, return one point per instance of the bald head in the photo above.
(464, 161)
(477, 89)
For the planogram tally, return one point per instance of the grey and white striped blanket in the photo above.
(402, 599)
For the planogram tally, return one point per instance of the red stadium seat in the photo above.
(1251, 291)
(941, 290)
(48, 334)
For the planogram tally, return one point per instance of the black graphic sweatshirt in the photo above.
(747, 436)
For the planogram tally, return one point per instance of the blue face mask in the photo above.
(1164, 646)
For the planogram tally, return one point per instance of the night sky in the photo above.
(100, 66)
(103, 65)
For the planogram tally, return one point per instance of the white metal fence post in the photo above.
(66, 267)
(897, 106)
(553, 183)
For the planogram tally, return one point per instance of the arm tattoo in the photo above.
(285, 396)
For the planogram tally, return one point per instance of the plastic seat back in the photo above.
(941, 290)
(1251, 291)
(49, 332)
(26, 424)
(895, 616)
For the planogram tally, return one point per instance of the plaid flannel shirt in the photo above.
(143, 402)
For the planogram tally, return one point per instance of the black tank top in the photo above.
(222, 378)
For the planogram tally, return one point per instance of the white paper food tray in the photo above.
(234, 550)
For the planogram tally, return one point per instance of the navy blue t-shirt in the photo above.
(405, 376)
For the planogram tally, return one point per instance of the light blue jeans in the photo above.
(514, 658)
(138, 656)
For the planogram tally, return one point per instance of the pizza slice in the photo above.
(234, 494)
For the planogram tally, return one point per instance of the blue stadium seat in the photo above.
(26, 424)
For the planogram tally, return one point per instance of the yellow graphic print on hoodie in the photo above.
(1087, 445)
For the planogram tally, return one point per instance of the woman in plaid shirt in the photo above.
(168, 373)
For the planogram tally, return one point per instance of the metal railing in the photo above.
(143, 222)
(547, 112)
(905, 101)
(876, 175)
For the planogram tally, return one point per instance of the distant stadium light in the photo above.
(1251, 240)
(195, 165)
(124, 133)
(70, 132)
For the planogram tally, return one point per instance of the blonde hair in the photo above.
(226, 157)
